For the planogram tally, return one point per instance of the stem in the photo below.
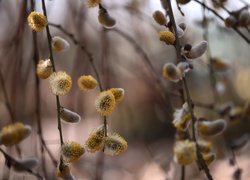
(201, 162)
(182, 172)
(58, 106)
(221, 18)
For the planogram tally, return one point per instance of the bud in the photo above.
(184, 152)
(44, 69)
(184, 67)
(115, 145)
(118, 94)
(14, 133)
(105, 19)
(71, 151)
(164, 4)
(159, 17)
(182, 118)
(230, 21)
(86, 83)
(183, 1)
(95, 141)
(171, 72)
(197, 50)
(37, 21)
(211, 128)
(105, 103)
(93, 3)
(244, 18)
(167, 36)
(59, 44)
(69, 116)
(25, 164)
(60, 83)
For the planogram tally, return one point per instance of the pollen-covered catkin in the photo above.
(184, 152)
(60, 83)
(93, 3)
(118, 94)
(14, 133)
(115, 145)
(37, 21)
(167, 36)
(71, 151)
(95, 141)
(86, 82)
(105, 103)
(44, 69)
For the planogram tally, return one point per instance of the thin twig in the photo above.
(221, 18)
(54, 70)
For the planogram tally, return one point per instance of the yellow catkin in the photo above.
(105, 103)
(95, 141)
(44, 69)
(86, 82)
(159, 18)
(209, 158)
(93, 3)
(184, 152)
(205, 146)
(167, 36)
(63, 170)
(115, 145)
(14, 133)
(171, 72)
(118, 94)
(37, 21)
(60, 83)
(71, 151)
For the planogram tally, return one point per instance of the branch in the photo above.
(201, 161)
(221, 18)
(54, 69)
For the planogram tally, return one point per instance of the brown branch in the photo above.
(54, 69)
(201, 161)
(221, 18)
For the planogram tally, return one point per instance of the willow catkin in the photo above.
(60, 83)
(69, 116)
(37, 21)
(105, 103)
(44, 68)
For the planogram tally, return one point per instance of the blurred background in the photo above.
(143, 118)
